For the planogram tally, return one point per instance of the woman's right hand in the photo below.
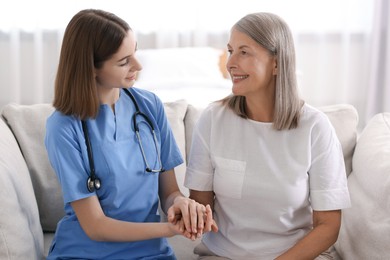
(178, 228)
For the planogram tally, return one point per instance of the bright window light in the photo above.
(182, 15)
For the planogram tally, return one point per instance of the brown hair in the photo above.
(272, 33)
(91, 37)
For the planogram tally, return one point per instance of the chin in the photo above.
(236, 91)
(129, 84)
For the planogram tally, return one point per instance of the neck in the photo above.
(260, 109)
(109, 96)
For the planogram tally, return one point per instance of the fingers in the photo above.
(171, 215)
(209, 219)
(174, 212)
(185, 209)
(174, 218)
(195, 218)
(180, 226)
(201, 215)
(198, 214)
(214, 226)
(193, 209)
(210, 224)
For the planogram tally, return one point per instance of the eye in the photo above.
(230, 51)
(243, 52)
(126, 62)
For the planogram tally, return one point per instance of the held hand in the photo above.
(195, 217)
(186, 210)
(178, 228)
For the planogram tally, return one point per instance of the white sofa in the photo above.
(31, 201)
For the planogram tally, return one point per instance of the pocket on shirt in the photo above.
(229, 177)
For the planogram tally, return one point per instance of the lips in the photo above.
(131, 78)
(240, 77)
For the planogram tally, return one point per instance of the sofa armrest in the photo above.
(20, 229)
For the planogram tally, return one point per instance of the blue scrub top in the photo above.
(127, 191)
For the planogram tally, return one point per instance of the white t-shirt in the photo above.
(266, 182)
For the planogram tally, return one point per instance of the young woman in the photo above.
(113, 151)
(270, 165)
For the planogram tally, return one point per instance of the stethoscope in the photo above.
(93, 182)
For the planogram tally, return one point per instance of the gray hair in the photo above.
(273, 33)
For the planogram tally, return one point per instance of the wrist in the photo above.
(170, 200)
(177, 197)
(169, 230)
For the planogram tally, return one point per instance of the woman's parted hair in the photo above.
(91, 37)
(273, 33)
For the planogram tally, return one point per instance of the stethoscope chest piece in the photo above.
(93, 185)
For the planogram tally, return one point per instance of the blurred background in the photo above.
(343, 46)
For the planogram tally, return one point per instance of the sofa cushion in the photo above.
(176, 112)
(344, 119)
(27, 122)
(192, 116)
(20, 229)
(365, 228)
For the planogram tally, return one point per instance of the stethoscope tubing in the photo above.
(93, 182)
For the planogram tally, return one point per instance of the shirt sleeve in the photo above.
(200, 170)
(64, 152)
(327, 176)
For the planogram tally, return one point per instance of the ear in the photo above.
(275, 70)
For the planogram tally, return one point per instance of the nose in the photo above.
(137, 65)
(231, 63)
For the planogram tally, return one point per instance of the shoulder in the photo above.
(218, 115)
(217, 109)
(316, 121)
(58, 124)
(147, 101)
(59, 120)
(313, 115)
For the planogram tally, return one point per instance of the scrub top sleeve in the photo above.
(170, 152)
(63, 148)
(200, 169)
(328, 181)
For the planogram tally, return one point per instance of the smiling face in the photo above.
(121, 69)
(252, 68)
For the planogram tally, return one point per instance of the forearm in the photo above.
(108, 229)
(203, 197)
(324, 234)
(312, 245)
(99, 227)
(168, 190)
